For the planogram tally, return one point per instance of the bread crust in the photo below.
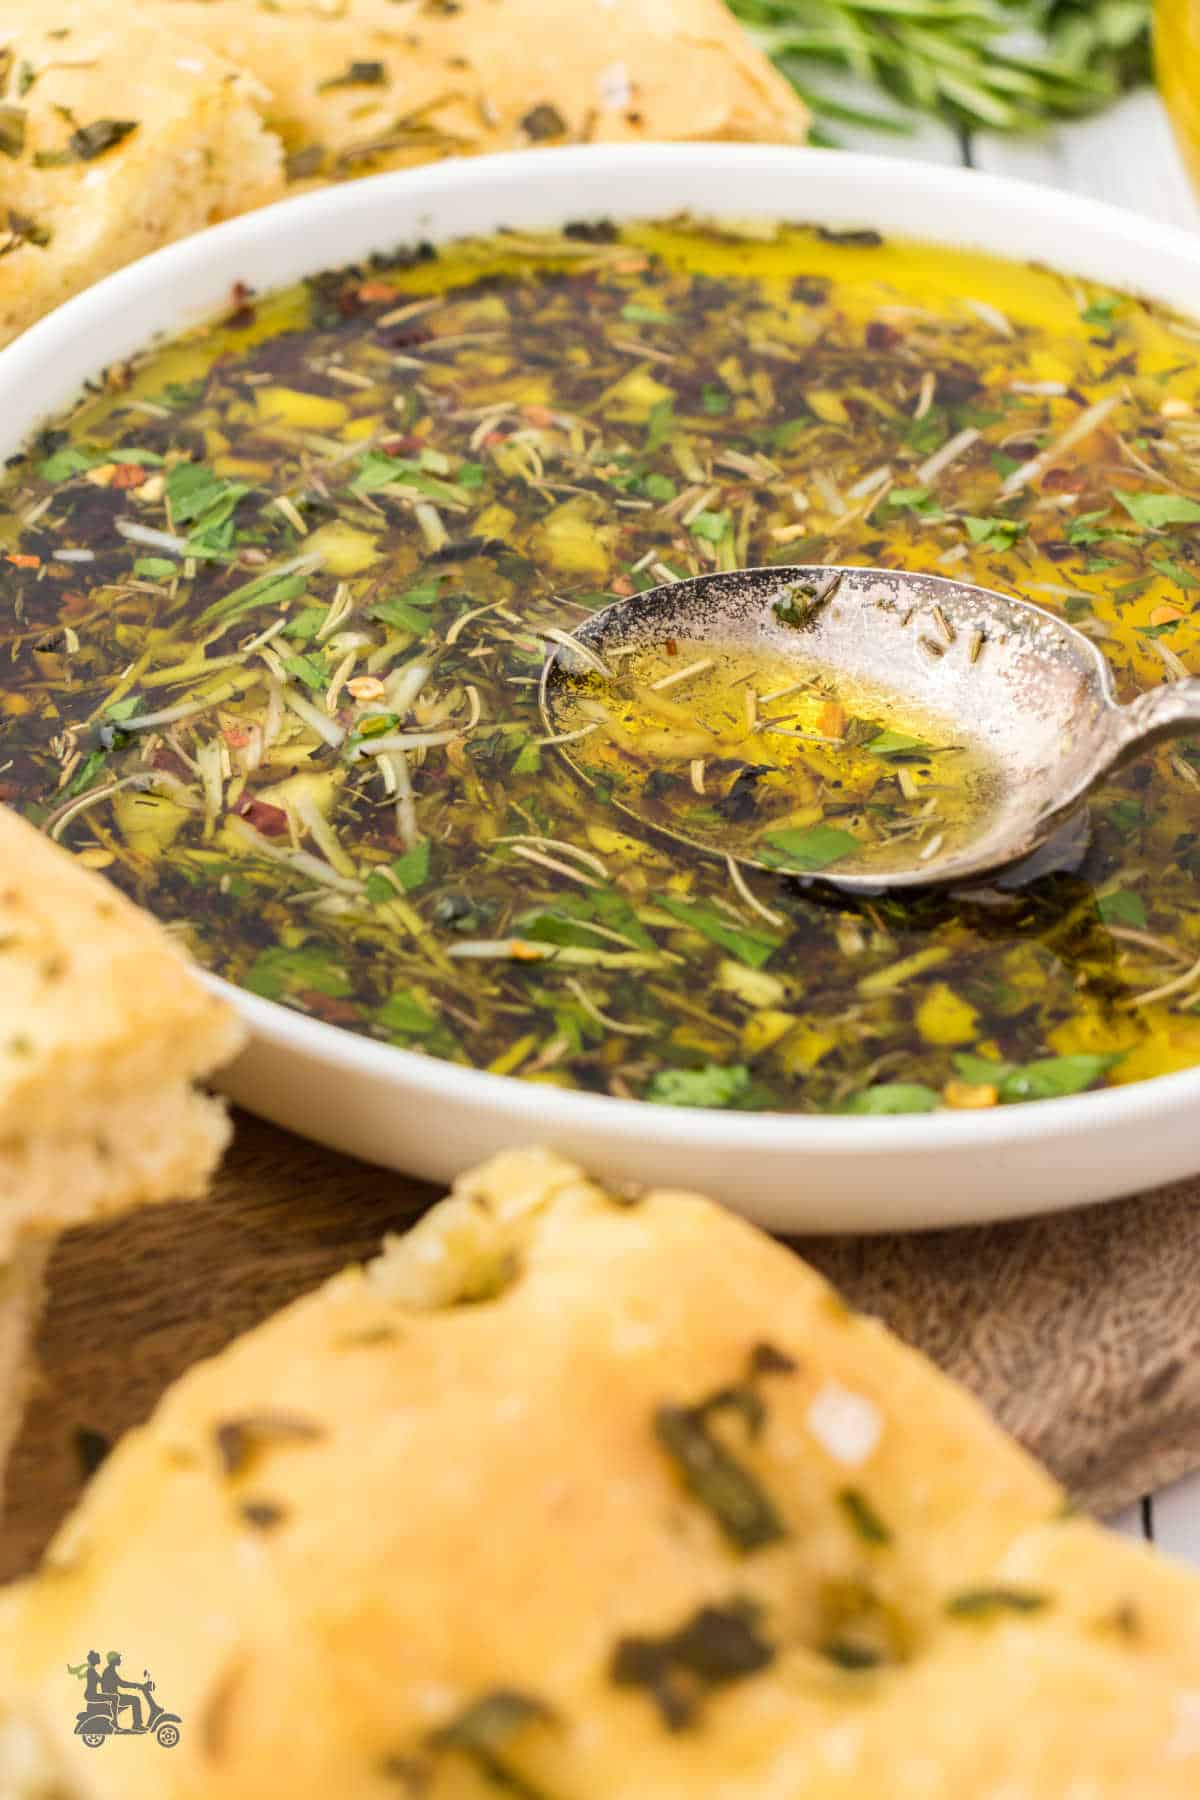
(443, 1480)
(197, 151)
(161, 1143)
(235, 98)
(22, 1281)
(493, 75)
(96, 1002)
(104, 1029)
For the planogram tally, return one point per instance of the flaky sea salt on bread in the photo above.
(597, 1496)
(117, 135)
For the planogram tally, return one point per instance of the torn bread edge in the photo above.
(106, 1030)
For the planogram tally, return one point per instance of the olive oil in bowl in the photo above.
(800, 768)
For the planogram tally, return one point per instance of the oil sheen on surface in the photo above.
(798, 766)
(275, 604)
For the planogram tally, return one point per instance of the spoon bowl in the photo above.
(1029, 695)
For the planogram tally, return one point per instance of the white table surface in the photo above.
(1127, 156)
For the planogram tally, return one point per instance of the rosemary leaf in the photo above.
(1004, 65)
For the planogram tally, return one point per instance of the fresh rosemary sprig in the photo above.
(972, 63)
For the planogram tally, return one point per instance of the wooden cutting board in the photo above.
(1080, 1332)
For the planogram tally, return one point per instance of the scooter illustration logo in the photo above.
(113, 1707)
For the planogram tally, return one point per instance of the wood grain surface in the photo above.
(1081, 1332)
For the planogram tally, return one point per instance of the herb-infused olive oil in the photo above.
(804, 769)
(274, 605)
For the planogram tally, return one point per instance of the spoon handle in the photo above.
(1169, 711)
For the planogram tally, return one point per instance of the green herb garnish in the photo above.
(1157, 511)
(88, 142)
(994, 534)
(91, 141)
(993, 1602)
(277, 972)
(1100, 311)
(306, 623)
(749, 944)
(306, 670)
(851, 1656)
(1055, 1076)
(711, 1086)
(484, 1731)
(740, 1506)
(710, 525)
(893, 1097)
(717, 1645)
(636, 314)
(358, 74)
(1122, 907)
(13, 122)
(810, 850)
(863, 1518)
(897, 745)
(1015, 67)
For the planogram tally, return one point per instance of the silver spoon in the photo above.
(1033, 696)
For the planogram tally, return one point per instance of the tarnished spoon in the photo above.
(1034, 696)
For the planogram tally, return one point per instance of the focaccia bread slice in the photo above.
(104, 1032)
(600, 1496)
(21, 1288)
(117, 136)
(376, 84)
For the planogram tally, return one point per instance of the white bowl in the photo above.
(430, 1118)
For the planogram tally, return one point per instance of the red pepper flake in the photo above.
(236, 736)
(538, 415)
(21, 561)
(171, 763)
(73, 604)
(672, 647)
(1063, 481)
(493, 438)
(882, 336)
(372, 292)
(243, 315)
(623, 586)
(270, 820)
(128, 475)
(329, 1008)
